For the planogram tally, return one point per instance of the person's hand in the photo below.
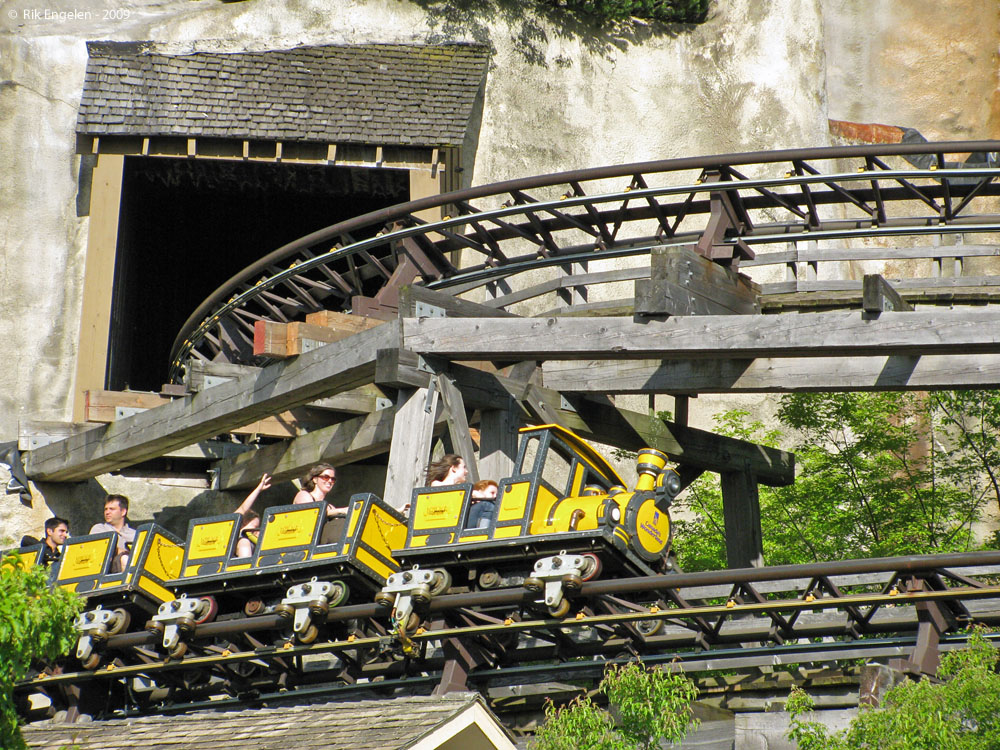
(265, 482)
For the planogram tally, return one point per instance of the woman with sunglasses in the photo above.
(316, 485)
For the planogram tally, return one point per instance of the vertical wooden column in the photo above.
(741, 512)
(498, 442)
(98, 279)
(412, 432)
(458, 424)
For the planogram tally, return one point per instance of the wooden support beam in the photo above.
(325, 371)
(597, 418)
(682, 282)
(419, 301)
(281, 340)
(412, 433)
(846, 334)
(878, 296)
(788, 375)
(458, 423)
(340, 444)
(741, 515)
(362, 400)
(498, 442)
(107, 406)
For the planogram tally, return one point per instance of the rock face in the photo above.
(559, 95)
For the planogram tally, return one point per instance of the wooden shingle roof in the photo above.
(402, 723)
(400, 94)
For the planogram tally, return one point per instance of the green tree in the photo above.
(879, 474)
(959, 712)
(646, 707)
(36, 622)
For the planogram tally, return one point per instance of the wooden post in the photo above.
(411, 444)
(99, 274)
(458, 424)
(741, 512)
(498, 441)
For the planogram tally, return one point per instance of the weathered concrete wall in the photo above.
(559, 95)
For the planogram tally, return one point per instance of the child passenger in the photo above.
(484, 495)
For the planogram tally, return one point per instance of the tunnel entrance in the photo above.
(188, 225)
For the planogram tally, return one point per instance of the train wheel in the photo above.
(253, 607)
(154, 627)
(383, 599)
(412, 623)
(560, 610)
(120, 623)
(186, 624)
(211, 609)
(572, 582)
(647, 628)
(178, 651)
(534, 585)
(310, 634)
(441, 582)
(338, 593)
(489, 579)
(91, 661)
(591, 566)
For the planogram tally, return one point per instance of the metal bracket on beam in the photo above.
(425, 310)
(127, 411)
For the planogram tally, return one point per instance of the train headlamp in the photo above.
(668, 484)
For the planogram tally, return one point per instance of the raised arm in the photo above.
(263, 484)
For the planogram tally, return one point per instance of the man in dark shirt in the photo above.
(56, 531)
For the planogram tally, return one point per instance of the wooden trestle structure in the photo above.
(355, 337)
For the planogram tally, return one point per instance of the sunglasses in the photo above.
(327, 477)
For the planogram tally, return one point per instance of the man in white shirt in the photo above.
(115, 512)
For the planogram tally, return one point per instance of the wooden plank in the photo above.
(416, 417)
(770, 375)
(418, 301)
(102, 407)
(877, 296)
(498, 441)
(270, 339)
(363, 400)
(354, 440)
(328, 370)
(741, 516)
(682, 282)
(458, 424)
(720, 336)
(601, 421)
(33, 434)
(597, 418)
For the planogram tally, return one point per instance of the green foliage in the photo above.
(879, 474)
(961, 712)
(667, 11)
(647, 707)
(36, 622)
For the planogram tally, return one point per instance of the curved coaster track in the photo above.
(727, 208)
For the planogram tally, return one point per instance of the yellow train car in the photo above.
(303, 565)
(114, 598)
(564, 516)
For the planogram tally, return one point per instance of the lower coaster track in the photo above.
(892, 607)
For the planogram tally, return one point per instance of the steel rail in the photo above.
(289, 649)
(900, 566)
(247, 285)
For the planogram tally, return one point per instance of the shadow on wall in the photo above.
(453, 19)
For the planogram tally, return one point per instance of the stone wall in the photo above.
(559, 95)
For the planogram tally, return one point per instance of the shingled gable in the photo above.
(458, 720)
(399, 94)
